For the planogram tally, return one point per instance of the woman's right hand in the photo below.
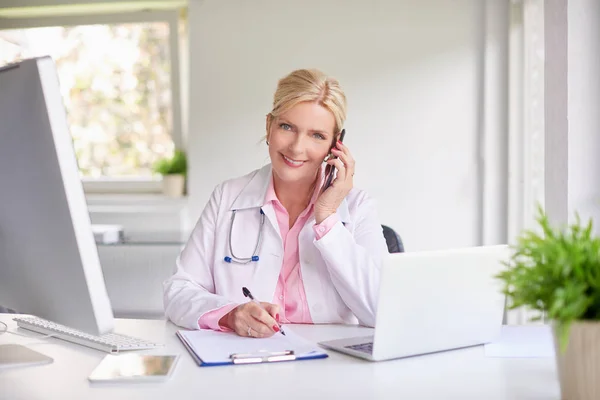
(249, 319)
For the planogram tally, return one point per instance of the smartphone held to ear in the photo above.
(330, 169)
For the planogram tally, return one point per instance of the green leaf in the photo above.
(173, 165)
(555, 270)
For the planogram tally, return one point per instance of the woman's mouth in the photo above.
(291, 162)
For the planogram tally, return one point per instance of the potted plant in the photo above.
(557, 272)
(174, 172)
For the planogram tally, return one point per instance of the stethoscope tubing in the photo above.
(245, 260)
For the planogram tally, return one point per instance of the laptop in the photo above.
(434, 301)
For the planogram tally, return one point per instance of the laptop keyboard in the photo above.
(362, 347)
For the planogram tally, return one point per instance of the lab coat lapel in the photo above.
(272, 254)
(253, 196)
(272, 218)
(253, 193)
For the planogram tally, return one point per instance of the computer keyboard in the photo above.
(110, 342)
(362, 347)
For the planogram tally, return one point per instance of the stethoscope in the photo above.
(254, 257)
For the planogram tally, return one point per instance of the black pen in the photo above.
(249, 295)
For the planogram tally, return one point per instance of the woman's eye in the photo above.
(319, 136)
(285, 126)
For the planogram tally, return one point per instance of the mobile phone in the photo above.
(330, 169)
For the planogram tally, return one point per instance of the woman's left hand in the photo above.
(329, 201)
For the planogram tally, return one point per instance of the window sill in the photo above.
(122, 186)
(134, 203)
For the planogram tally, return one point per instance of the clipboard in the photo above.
(209, 348)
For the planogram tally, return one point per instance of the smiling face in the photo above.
(299, 140)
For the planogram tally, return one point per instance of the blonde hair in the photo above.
(310, 85)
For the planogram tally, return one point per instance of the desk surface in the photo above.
(460, 374)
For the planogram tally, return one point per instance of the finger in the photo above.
(341, 169)
(260, 330)
(243, 320)
(248, 326)
(341, 145)
(272, 309)
(343, 148)
(240, 326)
(267, 320)
(345, 157)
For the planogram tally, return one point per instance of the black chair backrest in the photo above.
(394, 243)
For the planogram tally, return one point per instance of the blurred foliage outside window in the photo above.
(116, 87)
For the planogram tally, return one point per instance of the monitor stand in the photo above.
(14, 355)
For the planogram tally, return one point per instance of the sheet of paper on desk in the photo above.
(216, 347)
(522, 341)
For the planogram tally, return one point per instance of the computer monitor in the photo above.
(49, 264)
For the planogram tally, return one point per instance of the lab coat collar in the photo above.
(253, 194)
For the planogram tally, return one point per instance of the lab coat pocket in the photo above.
(230, 277)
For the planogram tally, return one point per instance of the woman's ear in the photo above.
(332, 146)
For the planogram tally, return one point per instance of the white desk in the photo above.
(461, 374)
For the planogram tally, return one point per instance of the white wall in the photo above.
(411, 71)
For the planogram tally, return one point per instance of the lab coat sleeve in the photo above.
(189, 293)
(354, 260)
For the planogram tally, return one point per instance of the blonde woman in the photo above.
(309, 254)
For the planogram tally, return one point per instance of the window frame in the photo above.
(173, 18)
(526, 127)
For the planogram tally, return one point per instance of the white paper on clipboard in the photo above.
(216, 348)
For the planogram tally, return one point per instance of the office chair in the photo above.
(393, 240)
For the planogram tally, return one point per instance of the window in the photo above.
(116, 87)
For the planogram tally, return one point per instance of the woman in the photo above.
(317, 253)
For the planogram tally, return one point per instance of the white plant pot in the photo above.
(173, 185)
(579, 365)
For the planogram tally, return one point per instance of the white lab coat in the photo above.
(340, 271)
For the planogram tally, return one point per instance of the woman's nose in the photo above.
(297, 145)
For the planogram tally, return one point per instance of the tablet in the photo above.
(133, 367)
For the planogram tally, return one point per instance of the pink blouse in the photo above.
(289, 292)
